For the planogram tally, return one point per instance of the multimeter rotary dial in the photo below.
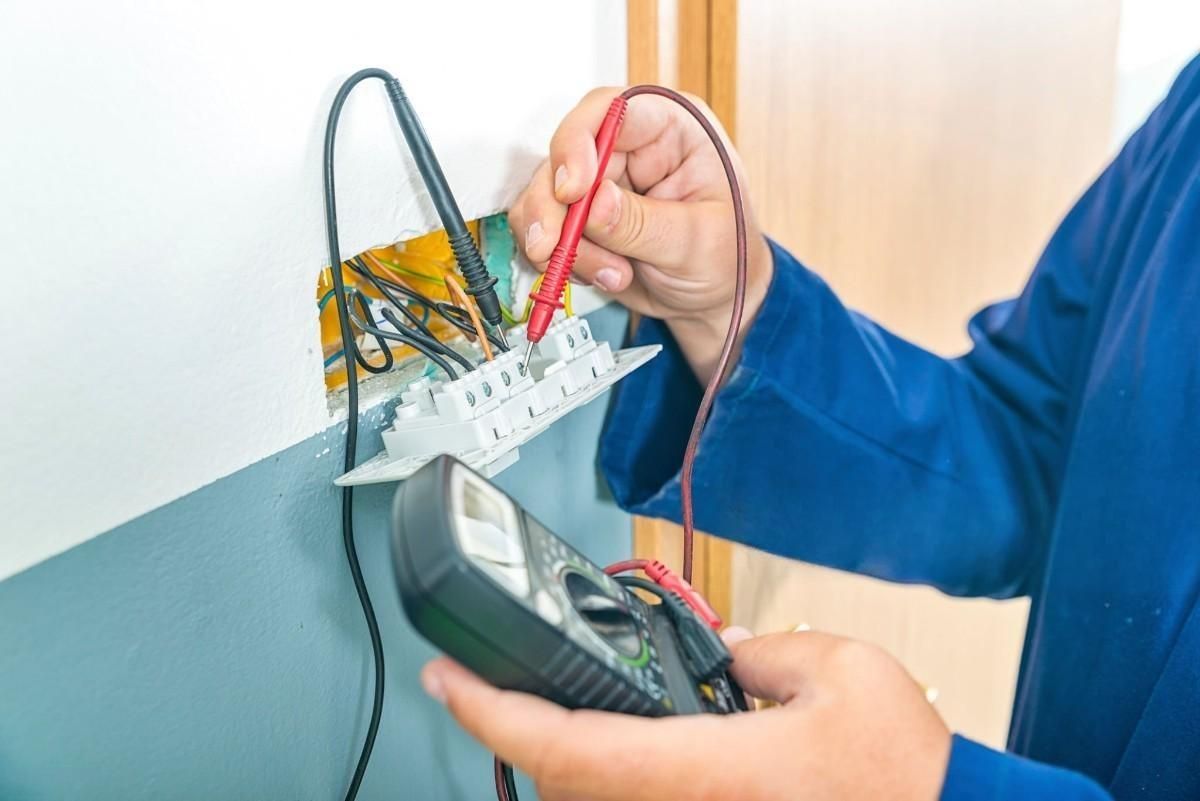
(610, 618)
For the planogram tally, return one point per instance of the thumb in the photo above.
(777, 667)
(662, 232)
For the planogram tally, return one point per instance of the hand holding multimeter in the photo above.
(496, 590)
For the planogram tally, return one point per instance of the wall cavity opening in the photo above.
(416, 271)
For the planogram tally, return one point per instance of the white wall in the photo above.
(161, 218)
(1157, 38)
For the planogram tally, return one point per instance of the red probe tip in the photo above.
(548, 298)
(539, 320)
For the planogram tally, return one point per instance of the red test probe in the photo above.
(548, 298)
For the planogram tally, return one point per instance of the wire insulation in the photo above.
(347, 336)
(626, 566)
(457, 294)
(388, 359)
(735, 319)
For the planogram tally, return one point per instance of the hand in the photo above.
(660, 235)
(852, 725)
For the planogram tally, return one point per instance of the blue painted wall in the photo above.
(214, 648)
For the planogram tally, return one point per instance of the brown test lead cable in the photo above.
(735, 320)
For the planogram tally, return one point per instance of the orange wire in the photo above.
(461, 298)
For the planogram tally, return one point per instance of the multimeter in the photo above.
(497, 591)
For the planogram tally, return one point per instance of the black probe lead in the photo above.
(480, 283)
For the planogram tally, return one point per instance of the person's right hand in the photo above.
(660, 235)
(849, 723)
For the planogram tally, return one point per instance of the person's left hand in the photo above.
(851, 724)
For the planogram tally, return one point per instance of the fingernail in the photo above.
(608, 279)
(560, 177)
(736, 634)
(534, 234)
(434, 688)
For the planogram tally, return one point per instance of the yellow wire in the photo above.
(397, 269)
(537, 284)
(416, 260)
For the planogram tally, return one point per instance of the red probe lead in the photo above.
(548, 298)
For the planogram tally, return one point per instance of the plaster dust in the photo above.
(176, 195)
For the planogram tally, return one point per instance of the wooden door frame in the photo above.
(705, 44)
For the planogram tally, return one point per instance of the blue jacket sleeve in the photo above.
(839, 443)
(977, 773)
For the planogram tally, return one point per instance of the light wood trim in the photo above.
(641, 61)
(722, 63)
(693, 46)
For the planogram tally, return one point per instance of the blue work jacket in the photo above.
(1058, 459)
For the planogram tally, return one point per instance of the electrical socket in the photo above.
(486, 414)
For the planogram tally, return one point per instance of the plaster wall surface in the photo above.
(160, 205)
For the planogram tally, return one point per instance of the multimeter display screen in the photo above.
(489, 533)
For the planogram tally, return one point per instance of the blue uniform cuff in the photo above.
(977, 773)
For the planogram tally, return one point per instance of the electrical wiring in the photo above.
(382, 287)
(404, 272)
(706, 655)
(687, 470)
(455, 315)
(643, 584)
(462, 321)
(426, 341)
(456, 293)
(626, 566)
(432, 343)
(722, 367)
(432, 349)
(359, 269)
(366, 272)
(537, 284)
(510, 782)
(506, 787)
(389, 360)
(480, 283)
(406, 259)
(351, 453)
(334, 357)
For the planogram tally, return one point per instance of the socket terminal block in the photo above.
(484, 415)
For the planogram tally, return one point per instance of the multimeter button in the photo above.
(546, 606)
